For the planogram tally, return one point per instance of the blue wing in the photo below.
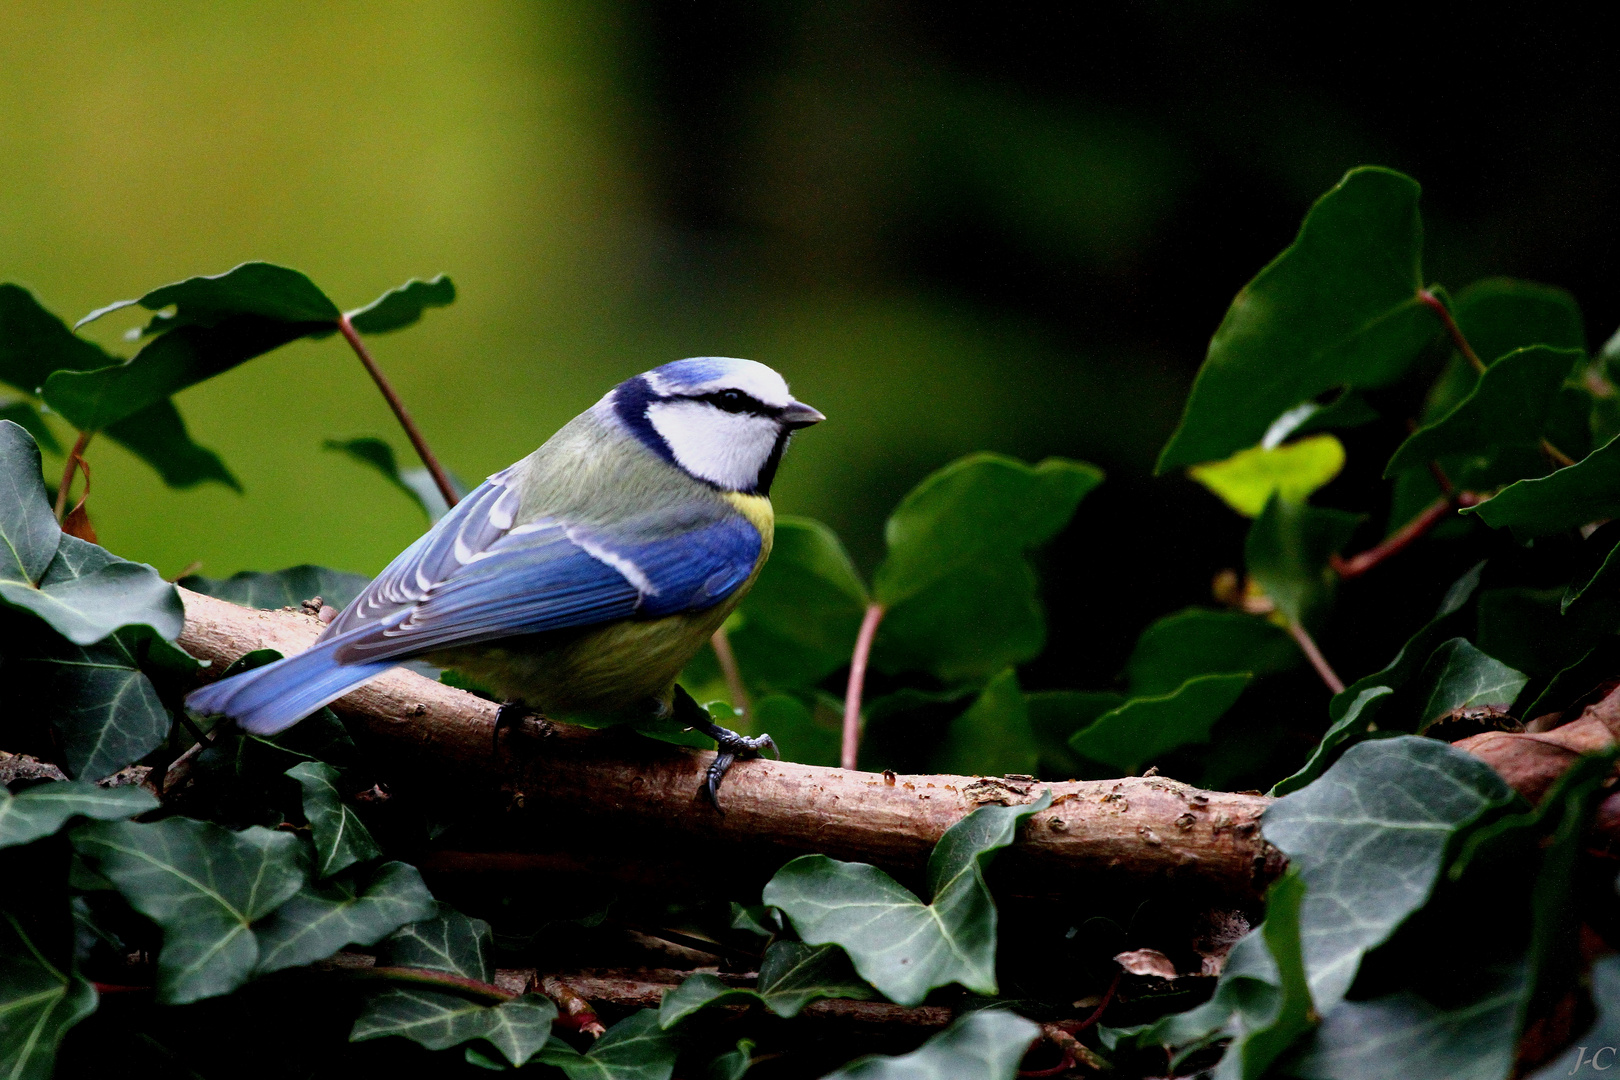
(476, 576)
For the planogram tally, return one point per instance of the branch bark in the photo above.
(1151, 831)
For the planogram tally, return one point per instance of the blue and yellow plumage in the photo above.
(579, 581)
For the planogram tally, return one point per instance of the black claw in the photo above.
(731, 746)
(511, 714)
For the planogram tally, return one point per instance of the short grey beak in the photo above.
(798, 415)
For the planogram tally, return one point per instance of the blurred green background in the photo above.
(951, 228)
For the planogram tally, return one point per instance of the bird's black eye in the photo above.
(731, 401)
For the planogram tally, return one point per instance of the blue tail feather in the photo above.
(276, 696)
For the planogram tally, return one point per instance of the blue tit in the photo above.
(579, 581)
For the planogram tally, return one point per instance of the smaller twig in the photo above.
(440, 479)
(1102, 1006)
(576, 1011)
(1407, 534)
(73, 461)
(1076, 1050)
(728, 668)
(440, 980)
(857, 684)
(1559, 458)
(1433, 303)
(1307, 645)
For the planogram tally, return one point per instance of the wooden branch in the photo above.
(552, 778)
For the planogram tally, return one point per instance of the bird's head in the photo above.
(722, 420)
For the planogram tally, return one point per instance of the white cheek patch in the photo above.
(728, 449)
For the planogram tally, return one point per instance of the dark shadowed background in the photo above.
(1007, 227)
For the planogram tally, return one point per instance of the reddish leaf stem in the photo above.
(73, 459)
(728, 668)
(435, 470)
(857, 683)
(1307, 645)
(1433, 303)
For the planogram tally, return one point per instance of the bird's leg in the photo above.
(510, 715)
(731, 746)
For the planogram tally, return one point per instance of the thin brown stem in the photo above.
(1433, 303)
(435, 470)
(442, 980)
(1559, 458)
(1307, 645)
(728, 668)
(857, 684)
(72, 466)
(1395, 543)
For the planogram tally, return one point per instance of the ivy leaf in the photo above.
(796, 729)
(25, 416)
(29, 534)
(968, 626)
(991, 737)
(417, 484)
(1586, 491)
(975, 506)
(1146, 728)
(34, 343)
(359, 908)
(986, 1045)
(791, 976)
(1199, 641)
(1248, 479)
(1287, 552)
(1265, 1033)
(635, 1048)
(898, 944)
(106, 712)
(1349, 729)
(1596, 580)
(1460, 676)
(798, 622)
(1509, 406)
(43, 810)
(1369, 840)
(281, 588)
(341, 839)
(1524, 628)
(204, 886)
(87, 593)
(38, 1004)
(219, 322)
(157, 435)
(733, 1064)
(401, 307)
(1498, 315)
(1339, 307)
(450, 942)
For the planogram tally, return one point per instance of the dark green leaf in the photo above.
(1263, 1036)
(1198, 641)
(635, 1048)
(792, 975)
(731, 1065)
(1498, 315)
(359, 908)
(399, 308)
(281, 588)
(105, 710)
(34, 343)
(1525, 629)
(42, 810)
(1055, 715)
(1577, 680)
(1509, 406)
(799, 620)
(38, 1004)
(1582, 1059)
(341, 839)
(1146, 728)
(88, 593)
(1369, 839)
(25, 416)
(898, 944)
(1459, 676)
(451, 942)
(28, 531)
(1361, 1040)
(967, 626)
(1596, 580)
(205, 887)
(797, 730)
(979, 505)
(1287, 552)
(992, 737)
(1348, 410)
(1586, 491)
(157, 435)
(985, 1045)
(1356, 724)
(1338, 307)
(253, 288)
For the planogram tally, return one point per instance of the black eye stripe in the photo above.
(735, 401)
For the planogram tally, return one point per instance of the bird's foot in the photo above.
(510, 715)
(731, 746)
